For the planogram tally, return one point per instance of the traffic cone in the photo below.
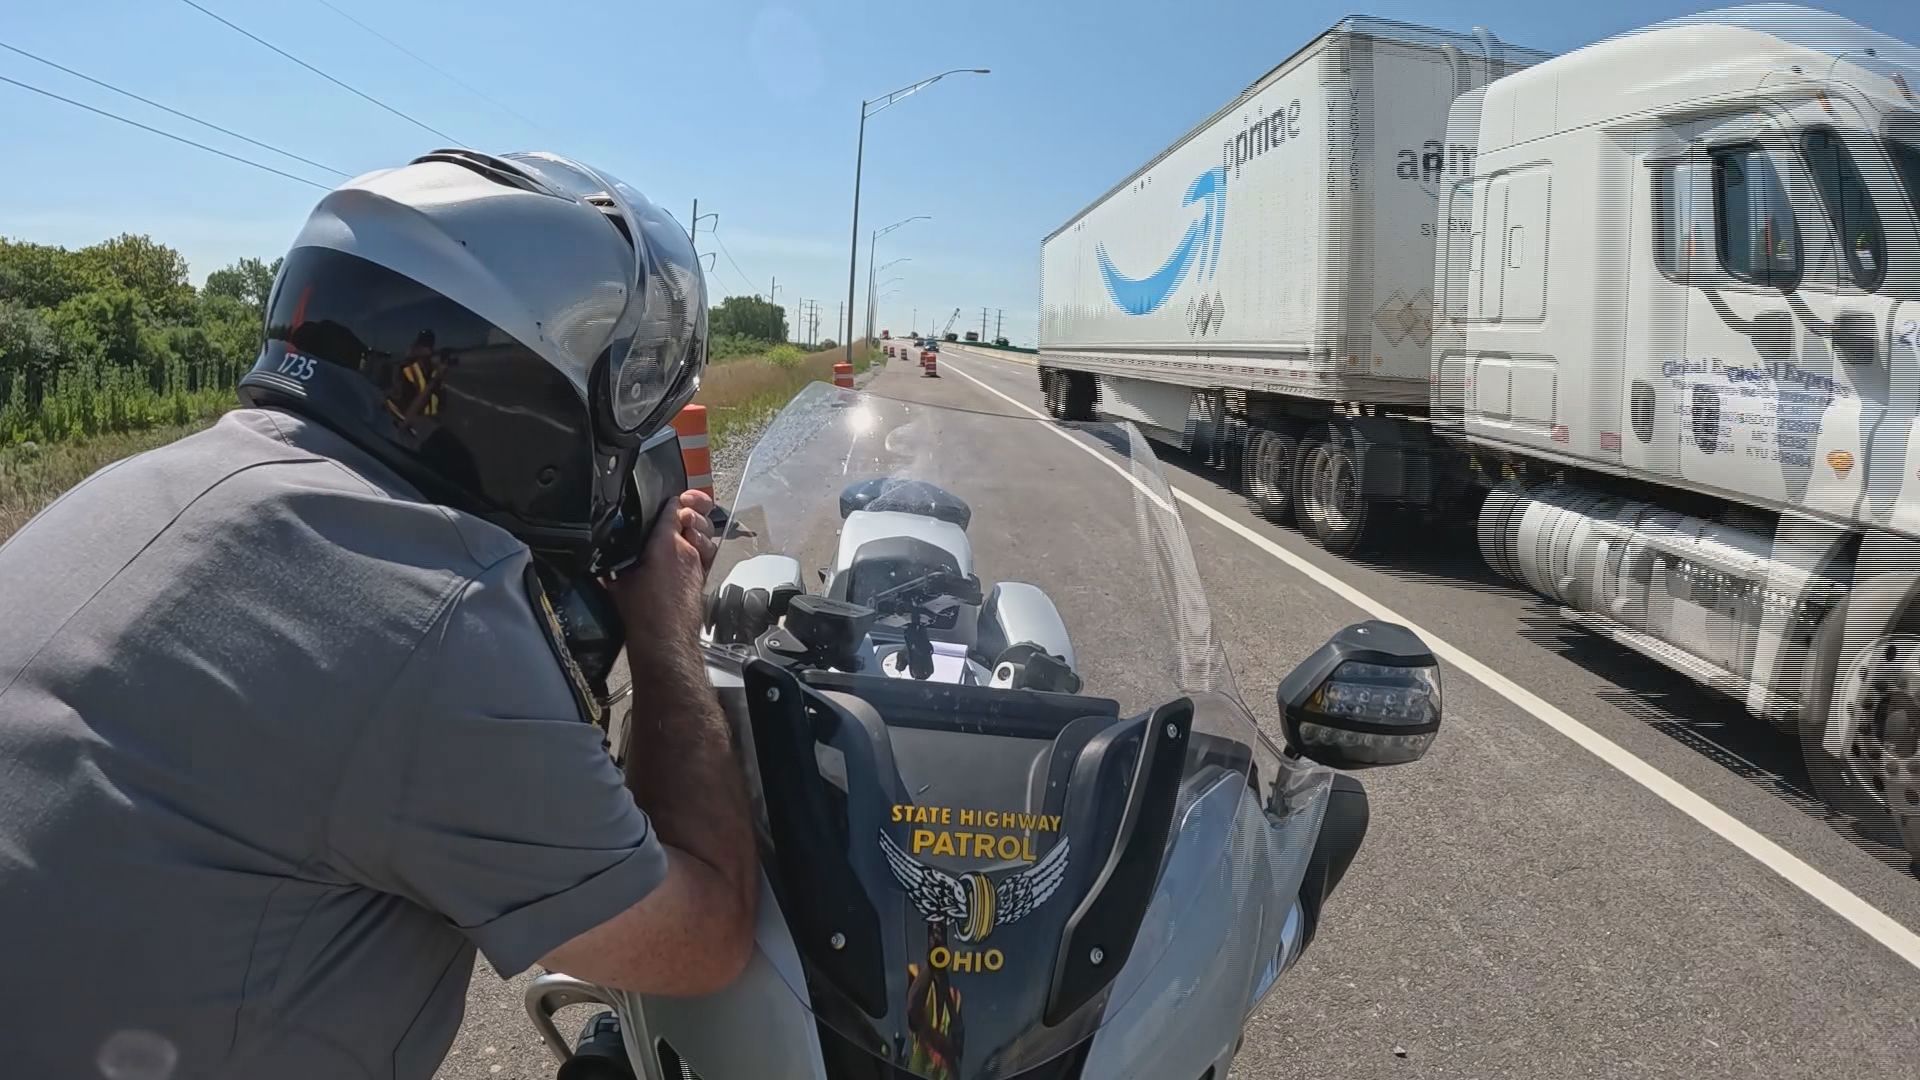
(691, 424)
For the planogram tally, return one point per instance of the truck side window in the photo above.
(1754, 230)
(1848, 205)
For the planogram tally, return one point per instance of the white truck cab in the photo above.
(1684, 278)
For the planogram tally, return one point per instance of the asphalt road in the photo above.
(1522, 908)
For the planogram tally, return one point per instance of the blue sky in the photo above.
(752, 108)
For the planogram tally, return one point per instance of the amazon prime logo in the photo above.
(1198, 251)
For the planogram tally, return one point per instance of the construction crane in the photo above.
(950, 321)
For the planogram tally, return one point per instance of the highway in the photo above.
(1599, 870)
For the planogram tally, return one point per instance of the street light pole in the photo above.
(853, 257)
(871, 241)
(872, 272)
(859, 158)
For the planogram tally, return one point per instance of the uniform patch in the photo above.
(549, 620)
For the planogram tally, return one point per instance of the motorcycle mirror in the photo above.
(1370, 696)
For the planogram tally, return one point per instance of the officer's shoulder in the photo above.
(383, 503)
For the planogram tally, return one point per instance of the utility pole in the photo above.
(999, 317)
(983, 324)
(693, 225)
(840, 319)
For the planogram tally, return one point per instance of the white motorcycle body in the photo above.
(970, 869)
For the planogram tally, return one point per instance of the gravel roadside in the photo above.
(496, 1042)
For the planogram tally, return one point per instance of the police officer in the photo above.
(287, 729)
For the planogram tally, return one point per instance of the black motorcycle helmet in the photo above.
(503, 332)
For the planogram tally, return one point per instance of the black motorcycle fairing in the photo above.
(838, 845)
(892, 493)
(887, 562)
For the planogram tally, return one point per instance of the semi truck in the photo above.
(1648, 311)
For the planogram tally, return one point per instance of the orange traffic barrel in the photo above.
(843, 375)
(691, 424)
(928, 360)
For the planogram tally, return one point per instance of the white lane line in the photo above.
(1875, 923)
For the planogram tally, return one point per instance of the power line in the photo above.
(449, 76)
(170, 109)
(744, 279)
(165, 134)
(317, 71)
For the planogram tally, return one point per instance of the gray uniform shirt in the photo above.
(280, 744)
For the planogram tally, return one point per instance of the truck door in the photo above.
(1901, 208)
(1792, 319)
(1856, 178)
(1741, 329)
(1670, 197)
(1844, 308)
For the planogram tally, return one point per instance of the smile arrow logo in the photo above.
(1198, 249)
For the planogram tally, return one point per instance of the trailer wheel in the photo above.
(1339, 510)
(1266, 473)
(1078, 395)
(1051, 389)
(1304, 455)
(1876, 777)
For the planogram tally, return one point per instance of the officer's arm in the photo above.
(478, 791)
(694, 933)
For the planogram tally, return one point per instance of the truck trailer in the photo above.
(1650, 311)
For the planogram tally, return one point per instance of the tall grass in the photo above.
(89, 401)
(741, 393)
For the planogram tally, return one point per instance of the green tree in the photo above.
(31, 350)
(231, 332)
(750, 317)
(104, 325)
(41, 275)
(249, 281)
(154, 272)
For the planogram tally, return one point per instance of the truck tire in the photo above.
(1266, 473)
(1053, 390)
(1339, 510)
(1304, 453)
(1079, 396)
(1876, 779)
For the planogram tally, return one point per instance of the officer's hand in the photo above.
(699, 531)
(663, 596)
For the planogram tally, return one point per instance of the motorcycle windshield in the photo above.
(980, 851)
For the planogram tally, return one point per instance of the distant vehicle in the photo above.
(885, 335)
(1001, 341)
(932, 345)
(972, 335)
(950, 336)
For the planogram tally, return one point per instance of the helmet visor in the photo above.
(658, 346)
(479, 411)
